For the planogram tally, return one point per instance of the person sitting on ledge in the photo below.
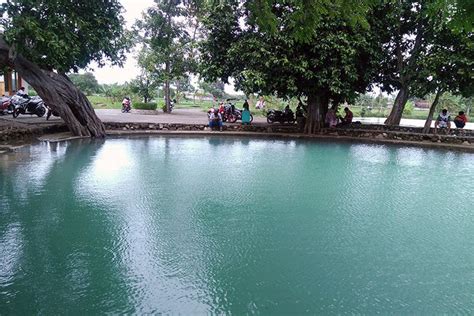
(331, 118)
(347, 119)
(215, 119)
(460, 120)
(443, 121)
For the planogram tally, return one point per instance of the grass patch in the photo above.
(101, 102)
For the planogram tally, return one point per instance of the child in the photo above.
(460, 120)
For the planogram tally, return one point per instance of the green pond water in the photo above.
(235, 226)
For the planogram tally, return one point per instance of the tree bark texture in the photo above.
(317, 106)
(58, 92)
(406, 66)
(429, 119)
(147, 92)
(167, 89)
(398, 106)
(178, 88)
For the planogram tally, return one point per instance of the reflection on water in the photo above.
(223, 225)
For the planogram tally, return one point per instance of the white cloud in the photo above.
(115, 74)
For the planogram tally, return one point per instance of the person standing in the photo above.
(246, 114)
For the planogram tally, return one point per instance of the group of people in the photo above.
(333, 120)
(444, 120)
(216, 119)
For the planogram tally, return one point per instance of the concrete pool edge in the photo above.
(433, 141)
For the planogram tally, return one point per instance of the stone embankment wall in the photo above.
(373, 132)
(16, 133)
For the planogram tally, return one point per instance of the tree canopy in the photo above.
(165, 37)
(44, 39)
(86, 82)
(65, 35)
(333, 64)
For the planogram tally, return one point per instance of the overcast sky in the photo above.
(115, 74)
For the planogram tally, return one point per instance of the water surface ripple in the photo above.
(235, 226)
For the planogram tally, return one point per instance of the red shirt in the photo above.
(461, 118)
(348, 117)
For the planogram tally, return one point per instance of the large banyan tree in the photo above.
(328, 58)
(45, 39)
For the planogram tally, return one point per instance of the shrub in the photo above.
(409, 107)
(145, 106)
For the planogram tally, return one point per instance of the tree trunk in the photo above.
(177, 91)
(146, 91)
(398, 106)
(167, 88)
(429, 119)
(317, 106)
(58, 92)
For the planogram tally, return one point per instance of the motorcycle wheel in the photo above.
(224, 118)
(41, 112)
(251, 118)
(16, 112)
(270, 119)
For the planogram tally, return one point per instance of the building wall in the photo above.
(11, 82)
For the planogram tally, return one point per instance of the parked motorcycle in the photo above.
(32, 106)
(228, 113)
(231, 114)
(238, 115)
(6, 106)
(281, 116)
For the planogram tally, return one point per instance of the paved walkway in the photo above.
(180, 116)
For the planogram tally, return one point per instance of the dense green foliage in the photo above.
(304, 17)
(335, 63)
(167, 45)
(422, 53)
(65, 35)
(86, 82)
(216, 88)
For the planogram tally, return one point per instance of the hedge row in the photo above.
(145, 106)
